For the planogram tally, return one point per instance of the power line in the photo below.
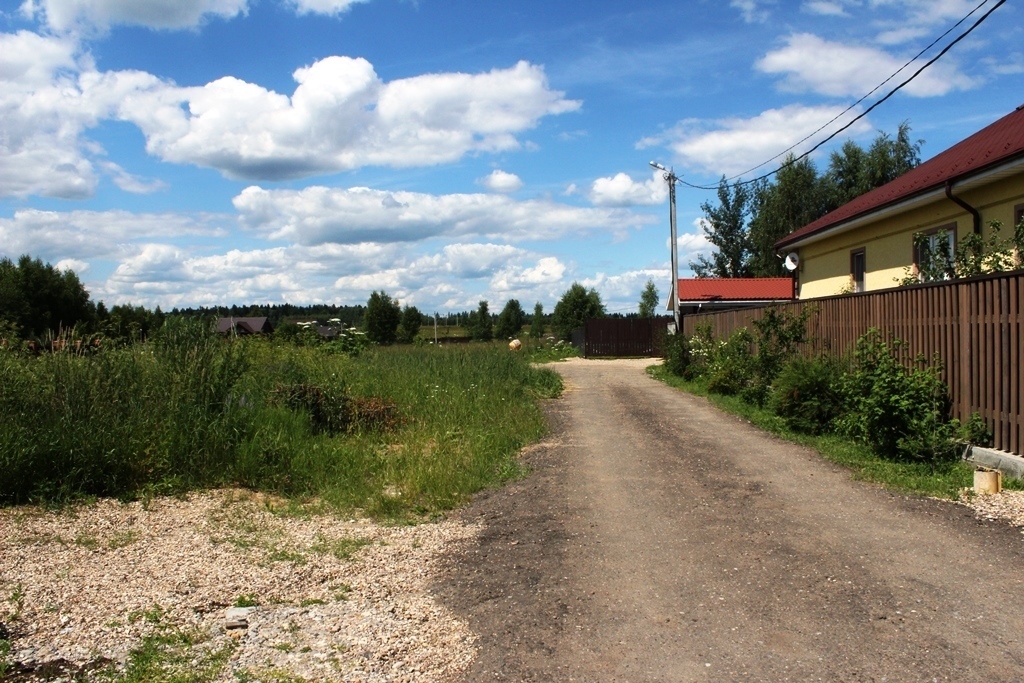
(873, 91)
(867, 111)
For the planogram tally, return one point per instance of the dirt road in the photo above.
(661, 540)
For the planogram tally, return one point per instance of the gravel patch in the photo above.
(330, 597)
(1007, 506)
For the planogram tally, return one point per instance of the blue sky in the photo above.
(202, 152)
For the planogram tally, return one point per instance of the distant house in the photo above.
(703, 295)
(244, 326)
(870, 242)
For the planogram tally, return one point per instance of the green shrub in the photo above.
(899, 411)
(806, 394)
(732, 367)
(777, 339)
(677, 356)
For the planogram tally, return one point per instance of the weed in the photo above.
(174, 655)
(121, 539)
(286, 556)
(246, 600)
(341, 548)
(87, 542)
(306, 602)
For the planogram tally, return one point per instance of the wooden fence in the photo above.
(620, 337)
(975, 326)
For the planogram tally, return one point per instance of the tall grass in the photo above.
(392, 431)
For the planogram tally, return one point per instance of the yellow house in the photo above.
(869, 243)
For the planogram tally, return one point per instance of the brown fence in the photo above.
(622, 337)
(976, 326)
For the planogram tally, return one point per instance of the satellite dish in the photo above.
(792, 261)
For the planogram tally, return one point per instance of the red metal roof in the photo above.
(735, 289)
(999, 142)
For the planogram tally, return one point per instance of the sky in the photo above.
(217, 152)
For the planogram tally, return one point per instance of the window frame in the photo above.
(860, 254)
(950, 228)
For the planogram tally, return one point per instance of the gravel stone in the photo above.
(88, 583)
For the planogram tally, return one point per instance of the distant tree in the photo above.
(577, 305)
(382, 318)
(131, 323)
(410, 325)
(649, 300)
(537, 321)
(853, 170)
(510, 320)
(480, 327)
(792, 201)
(41, 298)
(725, 226)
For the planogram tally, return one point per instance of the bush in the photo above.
(732, 367)
(898, 412)
(677, 356)
(777, 337)
(806, 394)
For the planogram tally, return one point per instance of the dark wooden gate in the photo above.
(624, 337)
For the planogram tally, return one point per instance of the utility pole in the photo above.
(672, 179)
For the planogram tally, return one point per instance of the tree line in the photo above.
(750, 217)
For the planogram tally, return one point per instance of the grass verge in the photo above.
(397, 432)
(941, 480)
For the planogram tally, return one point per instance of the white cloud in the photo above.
(86, 235)
(328, 7)
(622, 190)
(500, 181)
(130, 182)
(317, 215)
(812, 64)
(342, 116)
(518, 277)
(42, 114)
(64, 15)
(828, 8)
(753, 11)
(734, 145)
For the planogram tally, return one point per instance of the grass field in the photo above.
(394, 431)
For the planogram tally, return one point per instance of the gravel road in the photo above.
(660, 540)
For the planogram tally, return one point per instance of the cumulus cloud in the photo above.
(85, 235)
(734, 145)
(500, 181)
(828, 8)
(64, 15)
(622, 190)
(340, 117)
(42, 114)
(811, 64)
(317, 215)
(328, 7)
(130, 182)
(753, 11)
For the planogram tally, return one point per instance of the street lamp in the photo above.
(672, 179)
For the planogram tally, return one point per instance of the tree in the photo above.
(382, 318)
(791, 202)
(726, 228)
(510, 320)
(577, 305)
(480, 323)
(537, 322)
(649, 300)
(410, 324)
(41, 298)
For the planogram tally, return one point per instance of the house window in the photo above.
(1018, 214)
(933, 253)
(857, 269)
